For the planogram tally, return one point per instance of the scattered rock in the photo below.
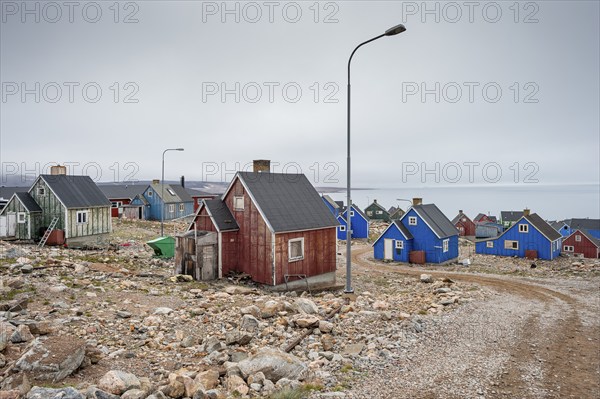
(274, 364)
(426, 278)
(117, 382)
(54, 358)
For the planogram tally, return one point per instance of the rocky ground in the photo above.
(116, 322)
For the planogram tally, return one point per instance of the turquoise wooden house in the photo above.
(422, 228)
(529, 237)
(177, 202)
(359, 224)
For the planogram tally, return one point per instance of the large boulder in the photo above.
(118, 382)
(51, 393)
(54, 358)
(274, 364)
(305, 305)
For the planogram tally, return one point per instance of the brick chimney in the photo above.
(58, 170)
(156, 181)
(526, 212)
(417, 201)
(261, 165)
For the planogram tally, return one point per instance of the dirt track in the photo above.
(556, 355)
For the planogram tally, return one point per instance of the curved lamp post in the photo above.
(390, 32)
(162, 183)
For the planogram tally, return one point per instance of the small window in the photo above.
(523, 228)
(464, 219)
(509, 244)
(238, 203)
(181, 207)
(489, 244)
(41, 191)
(445, 245)
(351, 213)
(578, 238)
(150, 193)
(569, 248)
(296, 249)
(412, 221)
(172, 208)
(116, 204)
(399, 244)
(82, 217)
(379, 212)
(369, 213)
(170, 191)
(21, 217)
(342, 228)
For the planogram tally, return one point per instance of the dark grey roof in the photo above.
(392, 209)
(403, 229)
(288, 201)
(590, 237)
(195, 192)
(76, 191)
(510, 216)
(181, 195)
(543, 227)
(586, 224)
(221, 215)
(556, 225)
(377, 205)
(118, 191)
(458, 217)
(28, 202)
(7, 192)
(440, 224)
(341, 204)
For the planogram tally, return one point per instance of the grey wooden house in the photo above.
(72, 204)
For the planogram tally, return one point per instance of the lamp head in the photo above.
(395, 30)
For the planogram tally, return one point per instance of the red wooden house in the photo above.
(483, 218)
(120, 195)
(199, 195)
(581, 243)
(464, 224)
(274, 227)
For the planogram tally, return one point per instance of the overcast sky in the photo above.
(470, 90)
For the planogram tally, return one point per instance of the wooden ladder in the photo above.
(48, 232)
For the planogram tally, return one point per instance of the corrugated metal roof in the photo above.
(288, 201)
(543, 227)
(403, 229)
(221, 215)
(173, 193)
(76, 191)
(117, 191)
(28, 202)
(440, 224)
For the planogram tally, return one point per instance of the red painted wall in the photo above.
(114, 212)
(585, 246)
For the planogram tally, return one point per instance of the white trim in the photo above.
(445, 245)
(413, 221)
(487, 244)
(19, 214)
(273, 260)
(220, 252)
(401, 246)
(86, 213)
(385, 231)
(236, 199)
(355, 212)
(512, 247)
(578, 238)
(294, 240)
(580, 232)
(342, 227)
(566, 248)
(523, 228)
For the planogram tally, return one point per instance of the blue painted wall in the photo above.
(334, 211)
(532, 240)
(426, 240)
(156, 207)
(137, 201)
(360, 226)
(393, 233)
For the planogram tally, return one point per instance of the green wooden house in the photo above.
(377, 212)
(81, 209)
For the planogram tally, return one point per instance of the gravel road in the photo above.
(535, 338)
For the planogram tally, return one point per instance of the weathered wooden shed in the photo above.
(21, 217)
(196, 254)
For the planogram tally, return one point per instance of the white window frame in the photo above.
(523, 228)
(506, 246)
(399, 244)
(412, 220)
(379, 212)
(489, 244)
(171, 208)
(351, 213)
(569, 248)
(82, 217)
(342, 228)
(577, 238)
(446, 245)
(369, 213)
(41, 191)
(292, 241)
(181, 207)
(21, 217)
(116, 204)
(236, 202)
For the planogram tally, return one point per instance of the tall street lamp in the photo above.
(162, 195)
(390, 32)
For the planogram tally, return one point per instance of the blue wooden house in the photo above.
(592, 226)
(332, 205)
(359, 224)
(530, 236)
(177, 202)
(395, 243)
(422, 228)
